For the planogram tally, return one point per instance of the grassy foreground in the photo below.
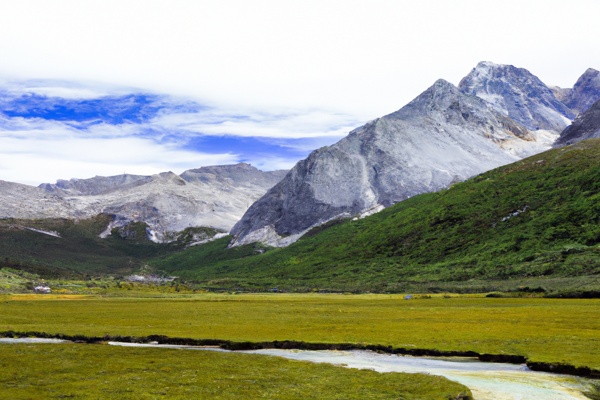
(105, 372)
(543, 330)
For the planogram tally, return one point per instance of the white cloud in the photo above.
(310, 124)
(44, 155)
(311, 70)
(361, 58)
(35, 150)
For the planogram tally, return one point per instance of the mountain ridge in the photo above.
(167, 202)
(441, 137)
(522, 117)
(519, 94)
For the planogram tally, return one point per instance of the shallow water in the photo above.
(493, 381)
(30, 340)
(487, 381)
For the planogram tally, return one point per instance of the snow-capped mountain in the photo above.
(209, 196)
(442, 136)
(519, 94)
(585, 126)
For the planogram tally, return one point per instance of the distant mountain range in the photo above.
(209, 196)
(498, 114)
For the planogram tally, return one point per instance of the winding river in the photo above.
(487, 381)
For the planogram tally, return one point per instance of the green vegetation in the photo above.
(79, 251)
(534, 223)
(543, 330)
(531, 228)
(594, 391)
(98, 371)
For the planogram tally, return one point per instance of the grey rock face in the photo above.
(23, 201)
(562, 94)
(518, 94)
(585, 92)
(442, 136)
(94, 186)
(210, 196)
(241, 174)
(585, 126)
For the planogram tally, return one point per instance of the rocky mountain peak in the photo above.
(518, 94)
(441, 137)
(237, 174)
(168, 177)
(446, 104)
(438, 96)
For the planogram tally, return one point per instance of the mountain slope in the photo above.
(585, 126)
(534, 220)
(519, 94)
(441, 137)
(23, 201)
(65, 247)
(585, 92)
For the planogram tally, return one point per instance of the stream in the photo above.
(487, 381)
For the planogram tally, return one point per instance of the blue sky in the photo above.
(49, 130)
(102, 87)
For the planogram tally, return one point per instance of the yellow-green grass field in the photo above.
(543, 330)
(80, 371)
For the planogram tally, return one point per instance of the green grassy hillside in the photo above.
(79, 250)
(535, 222)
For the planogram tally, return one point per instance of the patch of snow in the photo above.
(495, 99)
(217, 236)
(514, 214)
(49, 233)
(371, 211)
(153, 236)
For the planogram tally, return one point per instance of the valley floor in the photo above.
(563, 331)
(551, 332)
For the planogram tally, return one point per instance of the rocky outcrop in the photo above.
(519, 94)
(585, 126)
(441, 137)
(23, 201)
(585, 92)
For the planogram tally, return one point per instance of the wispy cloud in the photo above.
(52, 130)
(33, 156)
(308, 124)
